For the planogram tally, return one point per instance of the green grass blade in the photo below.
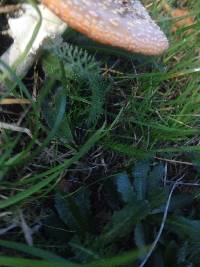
(21, 262)
(37, 252)
(53, 174)
(116, 261)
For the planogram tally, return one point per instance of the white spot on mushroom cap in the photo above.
(122, 23)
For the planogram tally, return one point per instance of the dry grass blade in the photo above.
(13, 101)
(15, 128)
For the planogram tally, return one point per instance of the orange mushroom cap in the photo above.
(121, 23)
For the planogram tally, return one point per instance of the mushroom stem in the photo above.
(21, 30)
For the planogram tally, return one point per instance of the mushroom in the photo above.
(121, 23)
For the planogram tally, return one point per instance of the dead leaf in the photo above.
(184, 21)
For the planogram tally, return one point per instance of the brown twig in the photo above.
(175, 161)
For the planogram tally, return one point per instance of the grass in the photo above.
(91, 164)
